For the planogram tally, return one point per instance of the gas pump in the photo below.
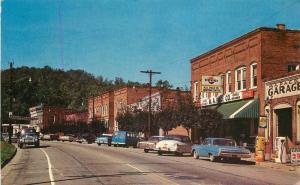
(280, 150)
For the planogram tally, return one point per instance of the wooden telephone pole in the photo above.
(150, 72)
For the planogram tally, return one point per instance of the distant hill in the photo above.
(52, 87)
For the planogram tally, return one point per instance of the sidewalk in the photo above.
(278, 166)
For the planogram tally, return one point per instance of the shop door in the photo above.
(284, 122)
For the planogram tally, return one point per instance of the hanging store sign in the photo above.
(262, 122)
(283, 87)
(211, 84)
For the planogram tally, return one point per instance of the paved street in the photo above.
(73, 163)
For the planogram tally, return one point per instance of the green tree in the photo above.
(166, 119)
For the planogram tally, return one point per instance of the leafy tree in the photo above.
(163, 84)
(186, 112)
(166, 119)
(125, 120)
(209, 121)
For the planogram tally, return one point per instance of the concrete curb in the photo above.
(9, 159)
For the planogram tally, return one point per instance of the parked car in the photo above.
(29, 136)
(174, 144)
(69, 138)
(4, 137)
(50, 137)
(220, 148)
(150, 144)
(124, 138)
(80, 140)
(104, 139)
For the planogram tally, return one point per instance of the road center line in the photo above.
(50, 167)
(155, 175)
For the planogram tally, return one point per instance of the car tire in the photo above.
(21, 145)
(109, 144)
(99, 144)
(146, 150)
(212, 158)
(195, 155)
(159, 152)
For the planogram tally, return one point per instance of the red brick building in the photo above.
(45, 116)
(126, 96)
(282, 107)
(241, 66)
(160, 100)
(103, 105)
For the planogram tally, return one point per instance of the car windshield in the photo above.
(155, 138)
(184, 139)
(30, 134)
(224, 142)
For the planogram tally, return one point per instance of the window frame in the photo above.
(243, 73)
(252, 86)
(228, 85)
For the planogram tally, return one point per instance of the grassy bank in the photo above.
(7, 150)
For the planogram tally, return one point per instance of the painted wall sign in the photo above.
(283, 87)
(229, 97)
(211, 84)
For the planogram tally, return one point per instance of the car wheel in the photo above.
(159, 152)
(196, 156)
(99, 144)
(146, 150)
(178, 154)
(212, 158)
(21, 145)
(109, 144)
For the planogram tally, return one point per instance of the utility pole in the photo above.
(150, 72)
(10, 129)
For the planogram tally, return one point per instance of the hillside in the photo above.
(52, 87)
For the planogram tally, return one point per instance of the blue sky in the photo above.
(118, 38)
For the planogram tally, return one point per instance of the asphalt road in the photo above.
(73, 163)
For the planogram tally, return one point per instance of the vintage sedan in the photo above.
(220, 148)
(150, 144)
(174, 144)
(104, 139)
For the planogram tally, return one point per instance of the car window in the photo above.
(224, 142)
(184, 139)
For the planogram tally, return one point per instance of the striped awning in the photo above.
(240, 109)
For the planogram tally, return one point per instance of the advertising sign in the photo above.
(262, 121)
(211, 84)
(283, 87)
(295, 155)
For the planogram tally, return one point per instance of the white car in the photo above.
(174, 144)
(150, 144)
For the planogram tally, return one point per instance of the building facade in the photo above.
(282, 107)
(239, 68)
(101, 107)
(127, 96)
(44, 116)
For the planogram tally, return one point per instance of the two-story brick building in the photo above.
(242, 65)
(101, 107)
(44, 116)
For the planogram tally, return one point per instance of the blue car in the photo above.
(220, 148)
(104, 139)
(124, 138)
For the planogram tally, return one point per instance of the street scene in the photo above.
(150, 92)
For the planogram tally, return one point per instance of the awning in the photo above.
(240, 109)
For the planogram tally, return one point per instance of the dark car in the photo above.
(29, 136)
